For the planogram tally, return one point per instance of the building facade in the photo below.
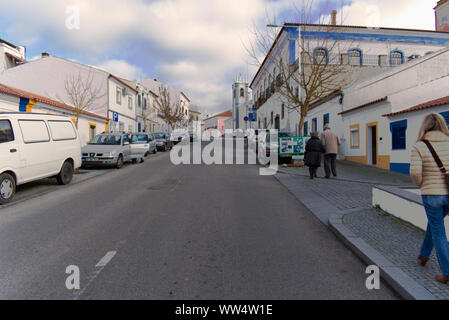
(10, 55)
(17, 100)
(364, 52)
(241, 101)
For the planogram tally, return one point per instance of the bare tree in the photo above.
(321, 68)
(168, 110)
(81, 93)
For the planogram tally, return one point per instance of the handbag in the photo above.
(438, 161)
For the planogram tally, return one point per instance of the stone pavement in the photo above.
(345, 204)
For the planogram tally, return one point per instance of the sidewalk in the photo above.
(344, 203)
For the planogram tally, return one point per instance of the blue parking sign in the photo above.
(115, 116)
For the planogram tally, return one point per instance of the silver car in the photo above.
(107, 149)
(141, 145)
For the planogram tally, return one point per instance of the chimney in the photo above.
(45, 54)
(334, 17)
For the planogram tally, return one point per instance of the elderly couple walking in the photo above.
(315, 148)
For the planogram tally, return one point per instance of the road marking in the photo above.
(105, 260)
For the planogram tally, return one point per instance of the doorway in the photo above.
(277, 124)
(371, 143)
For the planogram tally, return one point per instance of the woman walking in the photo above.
(312, 156)
(425, 172)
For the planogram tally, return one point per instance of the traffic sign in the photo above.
(246, 118)
(115, 116)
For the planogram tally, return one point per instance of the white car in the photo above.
(35, 146)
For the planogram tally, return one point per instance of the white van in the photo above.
(35, 146)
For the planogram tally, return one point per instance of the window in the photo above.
(297, 92)
(325, 119)
(130, 128)
(398, 134)
(306, 128)
(6, 133)
(145, 103)
(92, 131)
(121, 126)
(139, 100)
(282, 111)
(62, 130)
(242, 92)
(320, 56)
(314, 124)
(354, 136)
(396, 58)
(34, 131)
(446, 117)
(355, 57)
(118, 95)
(130, 102)
(271, 118)
(291, 51)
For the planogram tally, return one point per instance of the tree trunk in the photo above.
(301, 125)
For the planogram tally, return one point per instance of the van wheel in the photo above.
(119, 162)
(7, 188)
(66, 174)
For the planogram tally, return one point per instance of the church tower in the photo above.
(240, 101)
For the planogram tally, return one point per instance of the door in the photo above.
(9, 151)
(277, 124)
(36, 150)
(371, 144)
(374, 145)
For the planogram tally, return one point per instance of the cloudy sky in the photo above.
(195, 46)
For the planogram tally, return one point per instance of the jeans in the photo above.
(330, 163)
(437, 207)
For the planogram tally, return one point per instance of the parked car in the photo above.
(107, 149)
(178, 135)
(35, 146)
(143, 138)
(162, 141)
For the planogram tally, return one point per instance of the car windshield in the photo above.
(106, 139)
(159, 135)
(139, 139)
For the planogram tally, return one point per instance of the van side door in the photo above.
(9, 149)
(36, 149)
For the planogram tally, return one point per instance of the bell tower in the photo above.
(240, 98)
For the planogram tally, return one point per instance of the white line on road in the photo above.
(105, 260)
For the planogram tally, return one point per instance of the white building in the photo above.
(363, 51)
(442, 16)
(217, 121)
(10, 55)
(177, 98)
(47, 76)
(17, 100)
(378, 119)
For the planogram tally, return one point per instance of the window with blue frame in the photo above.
(325, 119)
(314, 124)
(306, 128)
(398, 134)
(446, 117)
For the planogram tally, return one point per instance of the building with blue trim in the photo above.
(365, 52)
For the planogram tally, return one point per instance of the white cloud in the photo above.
(122, 69)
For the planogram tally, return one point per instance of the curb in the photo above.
(348, 180)
(403, 284)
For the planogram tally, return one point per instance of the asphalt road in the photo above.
(160, 231)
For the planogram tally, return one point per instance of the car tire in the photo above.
(7, 188)
(66, 174)
(155, 151)
(119, 162)
(147, 154)
(165, 148)
(133, 161)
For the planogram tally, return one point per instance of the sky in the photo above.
(195, 46)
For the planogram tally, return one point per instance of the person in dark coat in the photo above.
(312, 156)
